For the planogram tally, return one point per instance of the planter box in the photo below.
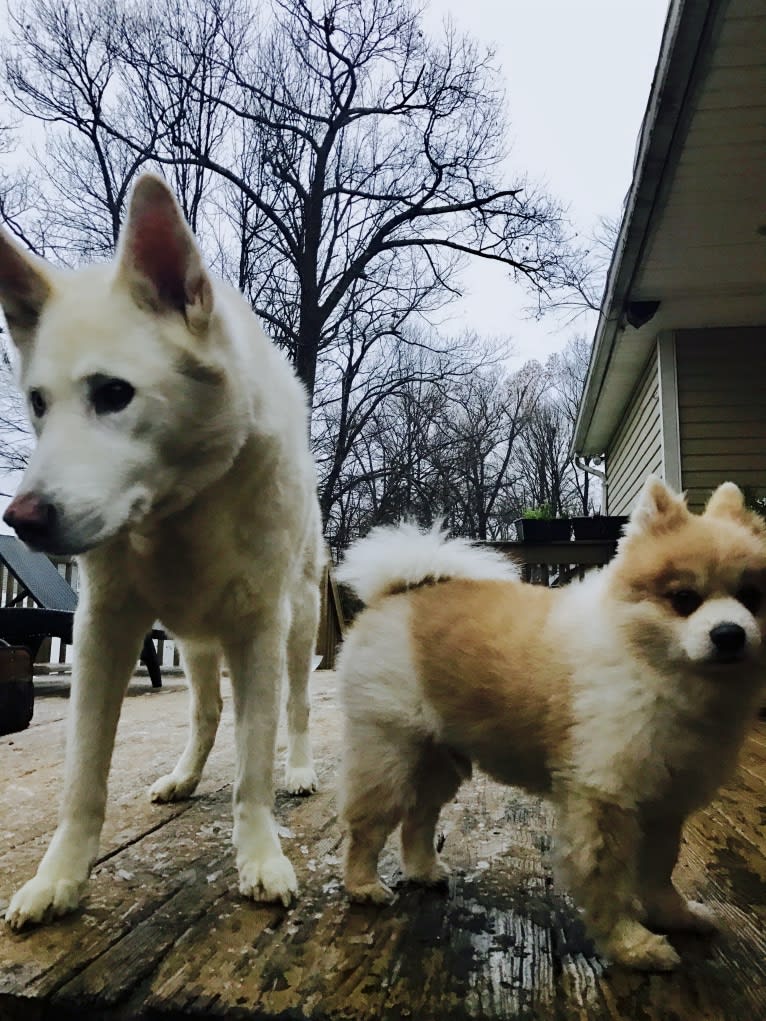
(602, 526)
(541, 530)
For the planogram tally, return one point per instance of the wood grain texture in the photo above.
(164, 933)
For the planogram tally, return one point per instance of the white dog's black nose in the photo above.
(32, 518)
(728, 639)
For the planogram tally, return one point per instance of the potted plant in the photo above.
(753, 501)
(538, 524)
(598, 526)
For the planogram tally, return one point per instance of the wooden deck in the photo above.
(164, 933)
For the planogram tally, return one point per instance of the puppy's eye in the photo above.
(37, 402)
(111, 395)
(685, 601)
(750, 597)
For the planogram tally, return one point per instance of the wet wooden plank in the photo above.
(149, 740)
(165, 933)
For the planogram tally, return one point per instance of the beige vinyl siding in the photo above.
(722, 409)
(636, 450)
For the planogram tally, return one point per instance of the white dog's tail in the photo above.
(394, 558)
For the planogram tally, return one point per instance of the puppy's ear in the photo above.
(159, 259)
(659, 509)
(25, 285)
(728, 501)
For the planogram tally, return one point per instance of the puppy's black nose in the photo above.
(728, 639)
(32, 518)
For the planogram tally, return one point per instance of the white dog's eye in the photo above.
(38, 404)
(685, 601)
(750, 597)
(110, 395)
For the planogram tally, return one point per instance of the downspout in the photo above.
(581, 462)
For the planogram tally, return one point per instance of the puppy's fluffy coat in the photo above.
(624, 699)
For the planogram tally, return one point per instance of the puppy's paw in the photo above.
(700, 918)
(634, 946)
(300, 780)
(269, 880)
(435, 874)
(41, 900)
(173, 788)
(370, 893)
(688, 916)
(678, 915)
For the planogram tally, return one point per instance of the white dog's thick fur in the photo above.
(624, 699)
(173, 457)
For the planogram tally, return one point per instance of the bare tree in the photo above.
(446, 447)
(478, 446)
(18, 192)
(578, 283)
(544, 464)
(15, 434)
(356, 141)
(568, 370)
(65, 67)
(341, 166)
(61, 70)
(374, 431)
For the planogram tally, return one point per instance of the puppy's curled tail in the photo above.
(394, 558)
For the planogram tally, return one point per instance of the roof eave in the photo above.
(686, 25)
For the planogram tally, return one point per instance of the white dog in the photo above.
(624, 699)
(173, 459)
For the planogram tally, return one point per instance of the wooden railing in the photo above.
(56, 656)
(557, 563)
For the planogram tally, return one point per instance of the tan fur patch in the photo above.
(501, 690)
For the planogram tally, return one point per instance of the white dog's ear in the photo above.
(728, 501)
(25, 285)
(159, 259)
(659, 509)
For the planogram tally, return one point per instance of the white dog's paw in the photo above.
(300, 780)
(370, 893)
(41, 900)
(634, 946)
(269, 880)
(173, 788)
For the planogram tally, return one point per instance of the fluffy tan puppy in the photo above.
(624, 699)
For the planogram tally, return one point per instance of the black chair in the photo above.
(56, 601)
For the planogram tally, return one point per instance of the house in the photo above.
(677, 378)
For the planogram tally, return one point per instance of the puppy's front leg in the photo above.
(257, 665)
(666, 909)
(106, 647)
(599, 856)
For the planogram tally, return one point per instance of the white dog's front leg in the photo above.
(257, 666)
(300, 776)
(203, 668)
(106, 647)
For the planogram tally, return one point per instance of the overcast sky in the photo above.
(578, 75)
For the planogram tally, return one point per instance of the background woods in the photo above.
(340, 166)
